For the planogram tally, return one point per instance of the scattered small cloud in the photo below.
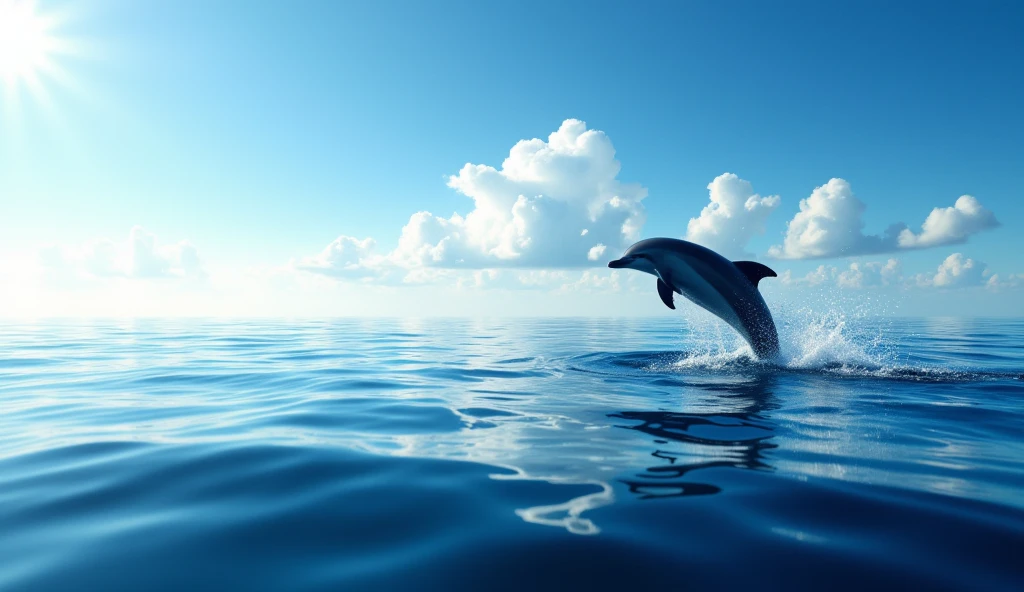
(830, 224)
(556, 280)
(479, 279)
(734, 216)
(594, 280)
(821, 275)
(556, 205)
(998, 282)
(955, 271)
(140, 257)
(871, 274)
(346, 257)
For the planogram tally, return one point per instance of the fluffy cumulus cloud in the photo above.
(553, 204)
(734, 216)
(830, 224)
(140, 257)
(946, 226)
(556, 204)
(954, 272)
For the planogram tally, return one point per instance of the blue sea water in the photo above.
(384, 454)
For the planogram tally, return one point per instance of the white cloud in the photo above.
(557, 204)
(734, 216)
(946, 226)
(830, 224)
(555, 280)
(352, 259)
(594, 281)
(998, 282)
(345, 257)
(554, 203)
(957, 270)
(821, 275)
(140, 257)
(871, 274)
(540, 278)
(954, 272)
(859, 274)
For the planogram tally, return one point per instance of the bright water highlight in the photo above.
(510, 454)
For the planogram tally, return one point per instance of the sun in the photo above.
(26, 42)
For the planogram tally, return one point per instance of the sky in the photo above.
(240, 158)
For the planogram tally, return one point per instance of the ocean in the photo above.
(509, 454)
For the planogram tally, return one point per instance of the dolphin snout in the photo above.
(617, 263)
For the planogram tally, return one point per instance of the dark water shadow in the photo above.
(731, 439)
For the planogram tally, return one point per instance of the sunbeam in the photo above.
(30, 48)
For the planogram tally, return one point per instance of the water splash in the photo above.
(840, 342)
(809, 340)
(828, 341)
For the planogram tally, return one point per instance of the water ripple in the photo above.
(470, 454)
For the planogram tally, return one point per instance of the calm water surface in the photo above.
(509, 454)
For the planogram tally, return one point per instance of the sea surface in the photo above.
(510, 454)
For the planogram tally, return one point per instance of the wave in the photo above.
(830, 343)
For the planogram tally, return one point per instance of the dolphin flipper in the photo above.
(666, 294)
(754, 271)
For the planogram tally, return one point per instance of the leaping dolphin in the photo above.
(727, 289)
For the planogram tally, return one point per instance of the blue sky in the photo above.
(260, 132)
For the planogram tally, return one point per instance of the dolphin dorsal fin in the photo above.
(754, 271)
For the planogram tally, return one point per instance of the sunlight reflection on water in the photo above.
(613, 429)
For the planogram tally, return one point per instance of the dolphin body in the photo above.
(727, 289)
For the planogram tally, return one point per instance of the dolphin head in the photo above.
(651, 253)
(639, 257)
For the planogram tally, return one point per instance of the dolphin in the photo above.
(727, 289)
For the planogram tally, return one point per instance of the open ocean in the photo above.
(388, 454)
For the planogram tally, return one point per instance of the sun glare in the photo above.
(26, 43)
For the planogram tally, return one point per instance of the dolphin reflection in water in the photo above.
(734, 438)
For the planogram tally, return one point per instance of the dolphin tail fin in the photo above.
(754, 271)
